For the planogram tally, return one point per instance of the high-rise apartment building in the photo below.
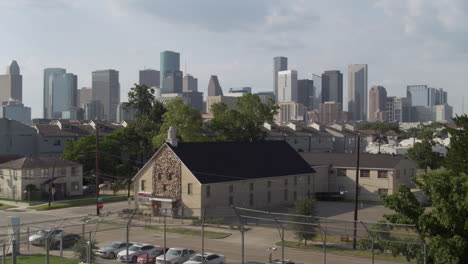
(149, 77)
(60, 92)
(305, 93)
(214, 88)
(106, 90)
(85, 95)
(332, 86)
(170, 63)
(422, 95)
(331, 112)
(279, 64)
(189, 83)
(287, 86)
(291, 111)
(377, 104)
(398, 109)
(357, 91)
(11, 84)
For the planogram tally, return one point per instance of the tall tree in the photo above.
(422, 154)
(186, 120)
(457, 155)
(244, 123)
(141, 98)
(305, 227)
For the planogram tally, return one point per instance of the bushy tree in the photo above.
(305, 228)
(80, 249)
(244, 123)
(422, 154)
(140, 98)
(457, 155)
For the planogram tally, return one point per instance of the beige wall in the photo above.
(192, 203)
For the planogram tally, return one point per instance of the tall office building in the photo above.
(317, 92)
(93, 110)
(422, 95)
(357, 91)
(170, 62)
(279, 64)
(214, 89)
(190, 83)
(305, 93)
(149, 77)
(238, 92)
(399, 109)
(378, 104)
(11, 84)
(331, 112)
(85, 95)
(106, 90)
(173, 82)
(291, 111)
(332, 86)
(15, 110)
(60, 92)
(287, 86)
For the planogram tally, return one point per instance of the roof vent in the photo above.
(171, 137)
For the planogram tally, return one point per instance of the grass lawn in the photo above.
(77, 203)
(190, 232)
(40, 258)
(6, 206)
(340, 250)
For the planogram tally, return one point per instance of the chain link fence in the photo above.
(235, 235)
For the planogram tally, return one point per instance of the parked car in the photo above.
(111, 250)
(149, 256)
(68, 241)
(133, 252)
(208, 258)
(89, 189)
(175, 256)
(38, 239)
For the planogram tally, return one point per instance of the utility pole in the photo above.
(51, 182)
(97, 168)
(356, 193)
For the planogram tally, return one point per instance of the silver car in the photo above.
(38, 239)
(111, 250)
(133, 252)
(208, 258)
(175, 256)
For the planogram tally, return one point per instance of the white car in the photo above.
(175, 256)
(133, 252)
(208, 258)
(38, 239)
(111, 250)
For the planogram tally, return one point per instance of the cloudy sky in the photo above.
(403, 41)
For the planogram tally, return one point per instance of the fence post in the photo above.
(27, 234)
(203, 236)
(325, 247)
(424, 252)
(4, 255)
(47, 250)
(14, 251)
(127, 229)
(89, 246)
(373, 255)
(243, 241)
(282, 244)
(61, 244)
(82, 230)
(165, 211)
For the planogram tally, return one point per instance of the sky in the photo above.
(403, 42)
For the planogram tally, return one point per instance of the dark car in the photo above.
(89, 189)
(149, 256)
(69, 240)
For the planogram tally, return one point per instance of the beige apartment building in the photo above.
(378, 174)
(190, 177)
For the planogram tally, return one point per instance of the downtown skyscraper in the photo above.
(332, 87)
(287, 86)
(357, 91)
(170, 71)
(149, 77)
(377, 104)
(214, 88)
(279, 64)
(11, 84)
(106, 93)
(60, 92)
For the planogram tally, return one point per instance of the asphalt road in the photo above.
(257, 240)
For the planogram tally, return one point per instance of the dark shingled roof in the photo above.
(382, 161)
(37, 162)
(213, 162)
(9, 157)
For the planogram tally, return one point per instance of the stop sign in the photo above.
(100, 205)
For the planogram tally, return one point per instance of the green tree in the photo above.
(80, 249)
(82, 151)
(382, 127)
(422, 154)
(457, 155)
(186, 120)
(244, 123)
(304, 213)
(141, 99)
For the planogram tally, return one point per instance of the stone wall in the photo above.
(167, 172)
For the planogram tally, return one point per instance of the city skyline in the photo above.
(401, 53)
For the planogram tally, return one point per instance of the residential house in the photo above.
(378, 174)
(64, 178)
(193, 177)
(17, 138)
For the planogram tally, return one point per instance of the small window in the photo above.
(285, 182)
(341, 172)
(320, 141)
(75, 186)
(308, 180)
(1, 173)
(268, 197)
(45, 172)
(1, 188)
(169, 177)
(231, 200)
(381, 174)
(143, 185)
(189, 188)
(164, 187)
(251, 187)
(74, 171)
(62, 171)
(285, 194)
(412, 172)
(57, 142)
(231, 188)
(364, 174)
(208, 191)
(383, 191)
(295, 180)
(160, 176)
(294, 196)
(251, 199)
(404, 172)
(397, 174)
(269, 184)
